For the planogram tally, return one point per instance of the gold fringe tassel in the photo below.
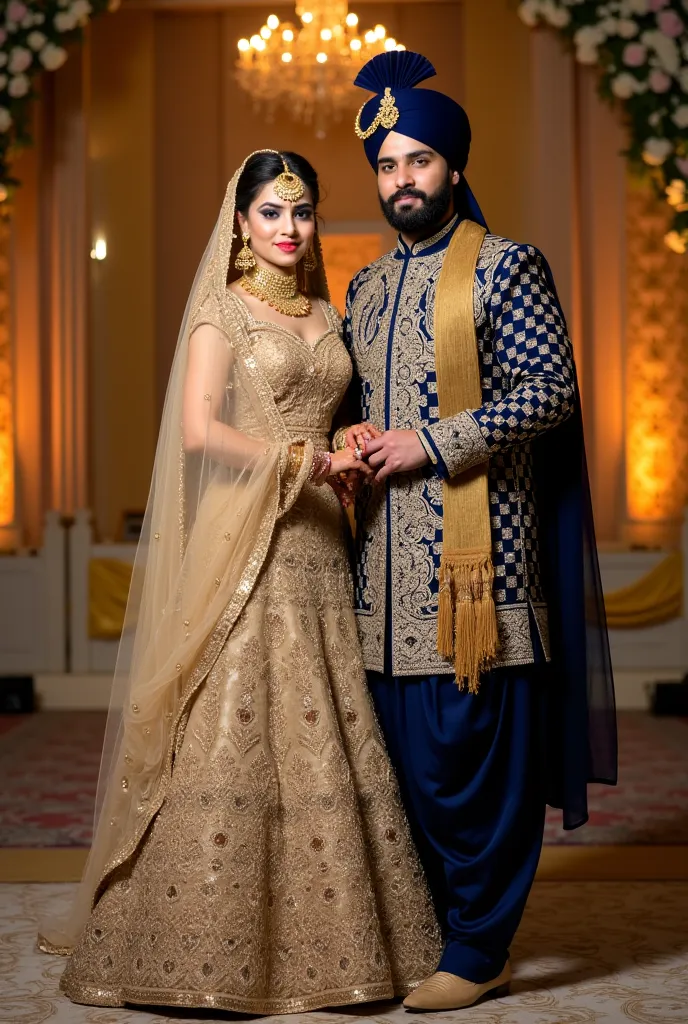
(467, 619)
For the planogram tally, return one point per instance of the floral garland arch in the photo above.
(641, 48)
(33, 34)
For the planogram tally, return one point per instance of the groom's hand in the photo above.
(395, 451)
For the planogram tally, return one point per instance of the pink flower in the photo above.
(659, 81)
(634, 55)
(16, 11)
(656, 5)
(670, 24)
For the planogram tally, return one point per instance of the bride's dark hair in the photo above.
(262, 168)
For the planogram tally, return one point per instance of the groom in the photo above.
(475, 549)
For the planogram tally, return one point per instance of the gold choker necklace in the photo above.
(278, 290)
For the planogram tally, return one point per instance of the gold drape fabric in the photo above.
(109, 581)
(466, 621)
(655, 598)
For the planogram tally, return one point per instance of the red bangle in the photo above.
(322, 463)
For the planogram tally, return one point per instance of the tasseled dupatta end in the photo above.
(467, 620)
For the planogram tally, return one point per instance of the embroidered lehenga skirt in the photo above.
(279, 874)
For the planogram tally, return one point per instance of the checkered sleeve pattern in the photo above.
(527, 366)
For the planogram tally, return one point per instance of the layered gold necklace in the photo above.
(279, 291)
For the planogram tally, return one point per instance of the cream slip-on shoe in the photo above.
(445, 991)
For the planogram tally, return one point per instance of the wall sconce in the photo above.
(99, 250)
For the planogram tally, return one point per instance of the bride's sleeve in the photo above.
(208, 371)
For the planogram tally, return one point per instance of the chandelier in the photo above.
(308, 68)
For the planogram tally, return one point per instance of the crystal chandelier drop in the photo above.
(308, 68)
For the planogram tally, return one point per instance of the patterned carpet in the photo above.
(587, 953)
(49, 765)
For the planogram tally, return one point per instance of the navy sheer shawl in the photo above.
(581, 737)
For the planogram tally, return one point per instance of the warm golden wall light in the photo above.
(7, 469)
(656, 411)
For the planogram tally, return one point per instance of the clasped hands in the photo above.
(376, 455)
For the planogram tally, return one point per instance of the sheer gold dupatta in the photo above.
(209, 520)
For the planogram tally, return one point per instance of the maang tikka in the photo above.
(288, 186)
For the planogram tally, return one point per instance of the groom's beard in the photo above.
(413, 220)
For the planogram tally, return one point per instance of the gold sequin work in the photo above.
(278, 874)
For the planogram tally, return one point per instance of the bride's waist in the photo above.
(318, 436)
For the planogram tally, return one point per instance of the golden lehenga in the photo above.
(279, 874)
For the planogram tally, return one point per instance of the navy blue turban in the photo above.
(430, 117)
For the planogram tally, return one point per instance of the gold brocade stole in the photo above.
(466, 622)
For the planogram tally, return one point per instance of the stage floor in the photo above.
(586, 952)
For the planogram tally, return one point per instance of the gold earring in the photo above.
(310, 260)
(245, 259)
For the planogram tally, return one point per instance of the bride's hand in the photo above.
(346, 461)
(359, 435)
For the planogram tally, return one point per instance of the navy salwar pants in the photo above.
(471, 774)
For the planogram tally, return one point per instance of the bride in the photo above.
(251, 852)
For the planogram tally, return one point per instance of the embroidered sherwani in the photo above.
(470, 767)
(527, 385)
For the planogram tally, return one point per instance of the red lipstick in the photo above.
(287, 246)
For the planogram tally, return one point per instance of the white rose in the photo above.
(52, 57)
(27, 21)
(589, 36)
(64, 21)
(80, 10)
(11, 26)
(680, 116)
(666, 49)
(5, 119)
(36, 40)
(655, 151)
(557, 16)
(654, 119)
(610, 26)
(529, 12)
(638, 6)
(20, 60)
(627, 28)
(18, 87)
(623, 86)
(38, 19)
(587, 55)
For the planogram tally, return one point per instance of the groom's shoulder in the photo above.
(505, 255)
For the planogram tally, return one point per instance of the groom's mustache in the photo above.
(407, 193)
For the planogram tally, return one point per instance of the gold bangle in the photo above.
(295, 460)
(339, 439)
